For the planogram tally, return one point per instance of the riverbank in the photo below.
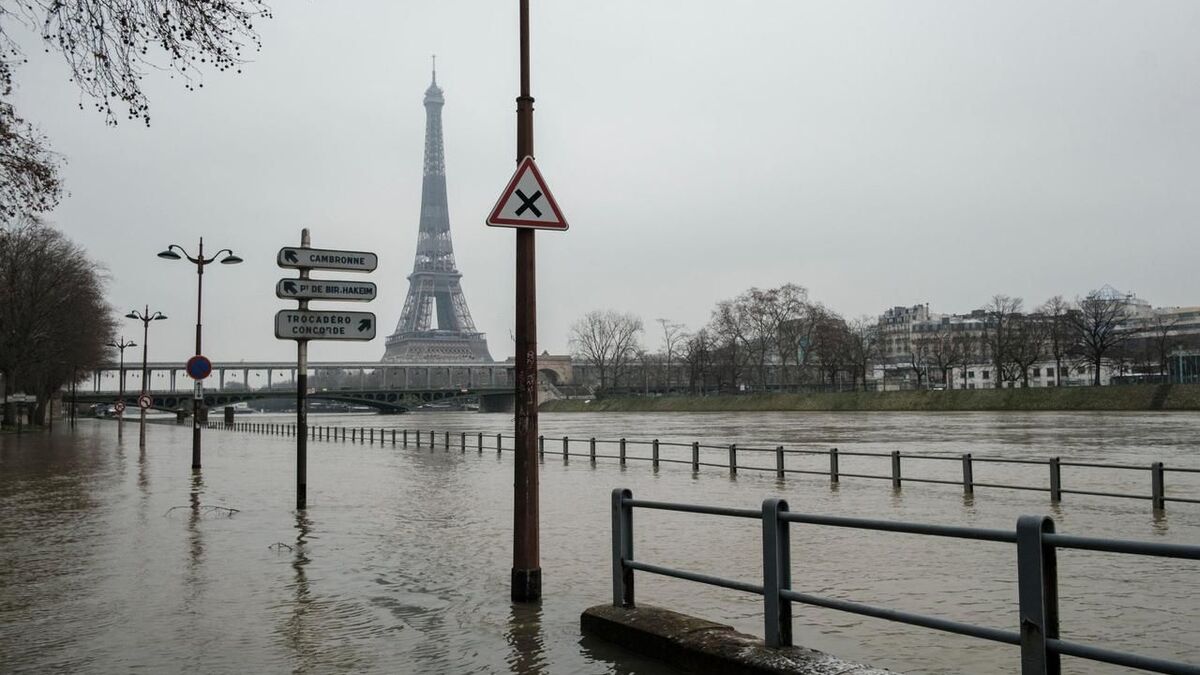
(1130, 397)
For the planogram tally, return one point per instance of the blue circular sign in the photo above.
(199, 367)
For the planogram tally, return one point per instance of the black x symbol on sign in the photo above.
(527, 203)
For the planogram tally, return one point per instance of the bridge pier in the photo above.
(502, 403)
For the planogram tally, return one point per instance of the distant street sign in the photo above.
(199, 367)
(302, 324)
(319, 289)
(144, 401)
(327, 259)
(119, 406)
(19, 398)
(527, 202)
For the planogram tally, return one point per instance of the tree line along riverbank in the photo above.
(1128, 397)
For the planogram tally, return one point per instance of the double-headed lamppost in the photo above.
(199, 261)
(145, 317)
(120, 346)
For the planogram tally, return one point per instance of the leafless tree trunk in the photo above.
(608, 339)
(1059, 335)
(1099, 328)
(1001, 312)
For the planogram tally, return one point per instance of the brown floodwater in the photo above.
(116, 559)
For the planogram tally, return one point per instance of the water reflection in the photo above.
(194, 580)
(295, 629)
(526, 645)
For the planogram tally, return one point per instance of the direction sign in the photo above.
(119, 406)
(198, 367)
(303, 324)
(527, 202)
(144, 401)
(327, 259)
(321, 289)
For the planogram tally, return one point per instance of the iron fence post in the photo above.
(403, 437)
(777, 564)
(1158, 498)
(622, 547)
(654, 454)
(499, 443)
(372, 436)
(462, 443)
(566, 450)
(622, 452)
(733, 459)
(779, 468)
(834, 474)
(695, 456)
(896, 469)
(1055, 480)
(432, 440)
(968, 475)
(541, 447)
(1037, 588)
(446, 441)
(479, 441)
(592, 449)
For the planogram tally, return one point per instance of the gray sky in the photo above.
(878, 153)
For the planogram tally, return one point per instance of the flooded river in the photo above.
(114, 559)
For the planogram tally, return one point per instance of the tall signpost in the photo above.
(302, 324)
(526, 204)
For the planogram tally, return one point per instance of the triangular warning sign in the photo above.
(527, 202)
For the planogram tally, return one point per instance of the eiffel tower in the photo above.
(435, 326)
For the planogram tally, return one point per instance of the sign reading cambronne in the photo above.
(303, 324)
(324, 259)
(321, 289)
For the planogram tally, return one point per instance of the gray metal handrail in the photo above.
(1037, 578)
(1157, 498)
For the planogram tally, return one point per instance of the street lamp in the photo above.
(199, 261)
(145, 317)
(120, 346)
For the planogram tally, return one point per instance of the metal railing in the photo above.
(733, 458)
(1037, 578)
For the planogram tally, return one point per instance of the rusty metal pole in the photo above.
(526, 569)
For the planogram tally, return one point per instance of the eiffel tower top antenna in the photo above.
(434, 68)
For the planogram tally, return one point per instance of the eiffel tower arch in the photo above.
(435, 325)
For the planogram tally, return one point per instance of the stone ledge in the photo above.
(697, 645)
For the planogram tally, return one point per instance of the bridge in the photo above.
(390, 387)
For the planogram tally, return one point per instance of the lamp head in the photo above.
(132, 315)
(169, 255)
(230, 259)
(159, 316)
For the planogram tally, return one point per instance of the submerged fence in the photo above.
(1037, 578)
(897, 466)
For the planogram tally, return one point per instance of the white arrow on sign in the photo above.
(302, 324)
(319, 289)
(327, 259)
(527, 202)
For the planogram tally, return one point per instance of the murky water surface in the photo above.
(114, 559)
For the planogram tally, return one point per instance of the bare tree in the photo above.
(919, 356)
(1163, 338)
(862, 346)
(1026, 345)
(696, 351)
(47, 286)
(1001, 311)
(609, 340)
(107, 47)
(945, 351)
(727, 332)
(673, 334)
(1060, 340)
(1099, 328)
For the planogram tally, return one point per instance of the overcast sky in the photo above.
(878, 153)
